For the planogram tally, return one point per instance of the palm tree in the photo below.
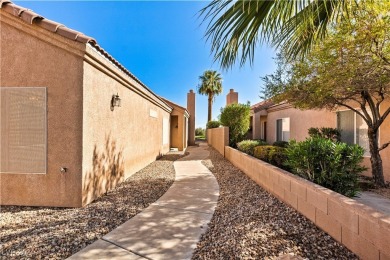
(236, 27)
(210, 85)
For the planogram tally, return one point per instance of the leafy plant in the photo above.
(333, 165)
(236, 117)
(248, 146)
(272, 154)
(235, 28)
(349, 69)
(283, 144)
(199, 131)
(333, 134)
(213, 124)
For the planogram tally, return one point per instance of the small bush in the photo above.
(199, 131)
(213, 124)
(333, 134)
(272, 154)
(330, 164)
(248, 146)
(282, 144)
(236, 117)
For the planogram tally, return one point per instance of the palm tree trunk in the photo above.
(210, 105)
(376, 160)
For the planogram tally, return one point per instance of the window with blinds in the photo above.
(353, 129)
(283, 129)
(23, 130)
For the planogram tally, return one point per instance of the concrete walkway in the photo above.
(171, 227)
(375, 201)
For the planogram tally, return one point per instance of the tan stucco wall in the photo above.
(117, 143)
(175, 141)
(231, 97)
(191, 121)
(178, 134)
(300, 121)
(256, 126)
(34, 57)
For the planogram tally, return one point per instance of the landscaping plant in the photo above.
(274, 155)
(349, 69)
(199, 131)
(236, 117)
(333, 165)
(248, 146)
(213, 124)
(282, 144)
(330, 133)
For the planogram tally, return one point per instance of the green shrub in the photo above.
(199, 131)
(333, 134)
(282, 144)
(272, 154)
(213, 124)
(236, 117)
(248, 146)
(330, 164)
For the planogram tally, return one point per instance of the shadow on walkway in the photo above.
(171, 227)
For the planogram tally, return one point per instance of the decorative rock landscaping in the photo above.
(249, 223)
(56, 233)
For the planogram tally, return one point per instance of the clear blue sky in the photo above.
(162, 43)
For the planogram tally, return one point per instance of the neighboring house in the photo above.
(281, 122)
(178, 126)
(258, 119)
(74, 121)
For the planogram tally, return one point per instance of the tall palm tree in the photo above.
(236, 27)
(210, 85)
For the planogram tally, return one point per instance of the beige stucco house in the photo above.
(74, 121)
(282, 122)
(178, 126)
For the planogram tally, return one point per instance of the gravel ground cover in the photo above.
(249, 223)
(57, 233)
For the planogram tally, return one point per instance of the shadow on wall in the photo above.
(107, 171)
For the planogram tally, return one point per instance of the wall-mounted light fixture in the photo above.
(115, 101)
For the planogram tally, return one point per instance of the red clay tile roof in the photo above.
(31, 17)
(173, 104)
(262, 105)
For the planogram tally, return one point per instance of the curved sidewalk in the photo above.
(171, 227)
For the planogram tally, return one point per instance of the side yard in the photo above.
(57, 233)
(249, 223)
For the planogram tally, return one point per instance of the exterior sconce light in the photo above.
(115, 101)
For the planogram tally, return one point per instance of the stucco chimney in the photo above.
(231, 97)
(191, 122)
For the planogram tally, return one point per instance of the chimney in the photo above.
(191, 123)
(231, 97)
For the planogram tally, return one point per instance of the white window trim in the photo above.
(276, 128)
(366, 154)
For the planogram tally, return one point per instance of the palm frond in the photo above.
(235, 28)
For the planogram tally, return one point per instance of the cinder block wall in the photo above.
(363, 230)
(218, 138)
